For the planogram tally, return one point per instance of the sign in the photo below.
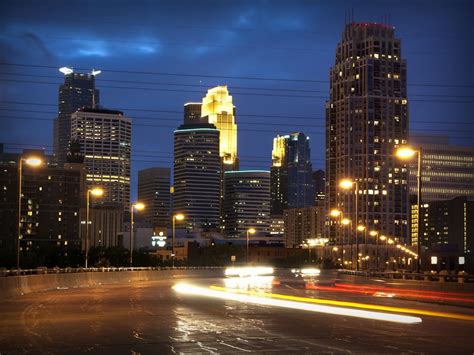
(461, 260)
(434, 260)
(232, 258)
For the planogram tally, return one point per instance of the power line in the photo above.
(239, 121)
(218, 76)
(275, 131)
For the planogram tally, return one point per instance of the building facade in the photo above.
(105, 225)
(291, 173)
(197, 171)
(246, 201)
(50, 203)
(77, 91)
(447, 170)
(302, 224)
(366, 120)
(154, 192)
(319, 182)
(105, 140)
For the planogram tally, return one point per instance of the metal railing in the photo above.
(57, 270)
(442, 276)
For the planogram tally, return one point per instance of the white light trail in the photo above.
(189, 289)
(248, 271)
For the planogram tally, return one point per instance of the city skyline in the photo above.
(316, 39)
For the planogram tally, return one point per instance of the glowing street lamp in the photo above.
(33, 162)
(249, 231)
(176, 217)
(139, 207)
(335, 213)
(374, 233)
(349, 184)
(407, 153)
(97, 192)
(345, 221)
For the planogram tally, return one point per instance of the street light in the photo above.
(176, 217)
(97, 192)
(348, 184)
(249, 231)
(34, 162)
(139, 207)
(376, 234)
(407, 153)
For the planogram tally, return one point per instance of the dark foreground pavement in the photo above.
(150, 317)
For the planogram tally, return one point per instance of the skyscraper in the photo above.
(291, 173)
(197, 171)
(105, 140)
(217, 106)
(319, 181)
(447, 170)
(366, 119)
(154, 192)
(77, 91)
(246, 201)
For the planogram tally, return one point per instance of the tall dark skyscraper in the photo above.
(319, 181)
(291, 173)
(77, 91)
(366, 119)
(246, 201)
(197, 176)
(154, 192)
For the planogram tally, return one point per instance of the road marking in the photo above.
(353, 304)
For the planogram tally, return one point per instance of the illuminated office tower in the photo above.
(197, 176)
(77, 91)
(105, 140)
(218, 108)
(154, 192)
(192, 113)
(447, 170)
(366, 120)
(291, 173)
(246, 201)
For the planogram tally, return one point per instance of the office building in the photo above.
(291, 173)
(217, 106)
(302, 224)
(366, 120)
(447, 226)
(105, 140)
(319, 182)
(192, 114)
(154, 192)
(447, 170)
(197, 171)
(246, 201)
(77, 91)
(105, 225)
(50, 206)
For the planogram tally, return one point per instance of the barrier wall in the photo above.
(14, 286)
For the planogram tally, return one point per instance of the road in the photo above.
(152, 317)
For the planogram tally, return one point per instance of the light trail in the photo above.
(256, 298)
(357, 305)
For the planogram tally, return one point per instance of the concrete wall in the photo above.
(13, 286)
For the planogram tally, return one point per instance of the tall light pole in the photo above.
(249, 231)
(176, 217)
(33, 162)
(360, 228)
(406, 153)
(133, 206)
(337, 214)
(98, 192)
(376, 235)
(348, 184)
(346, 222)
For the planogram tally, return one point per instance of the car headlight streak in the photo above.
(188, 289)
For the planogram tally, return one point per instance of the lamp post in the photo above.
(348, 184)
(346, 222)
(376, 234)
(406, 153)
(33, 162)
(360, 228)
(335, 213)
(176, 217)
(97, 191)
(133, 206)
(249, 231)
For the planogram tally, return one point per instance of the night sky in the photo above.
(293, 41)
